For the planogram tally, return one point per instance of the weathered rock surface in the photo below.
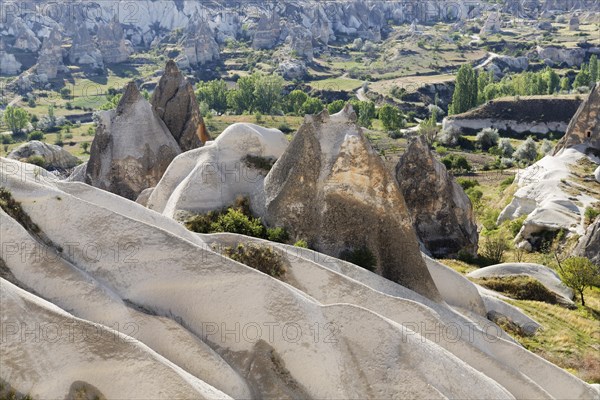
(212, 177)
(584, 128)
(571, 57)
(589, 244)
(132, 147)
(83, 50)
(442, 213)
(330, 185)
(175, 103)
(9, 64)
(534, 114)
(501, 64)
(550, 197)
(493, 24)
(168, 284)
(267, 31)
(50, 61)
(112, 43)
(25, 39)
(199, 44)
(543, 274)
(55, 157)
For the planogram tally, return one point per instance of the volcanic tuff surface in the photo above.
(442, 213)
(132, 147)
(158, 296)
(330, 185)
(175, 103)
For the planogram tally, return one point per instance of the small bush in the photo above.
(36, 160)
(474, 195)
(519, 288)
(591, 214)
(262, 163)
(36, 135)
(201, 223)
(234, 221)
(450, 137)
(487, 138)
(284, 127)
(506, 183)
(361, 256)
(277, 235)
(259, 257)
(301, 243)
(467, 183)
(515, 225)
(579, 273)
(493, 248)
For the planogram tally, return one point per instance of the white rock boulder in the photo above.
(213, 176)
(55, 157)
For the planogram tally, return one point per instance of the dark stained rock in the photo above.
(585, 125)
(132, 147)
(175, 103)
(441, 211)
(332, 189)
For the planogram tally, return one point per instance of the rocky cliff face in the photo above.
(174, 102)
(83, 50)
(584, 128)
(330, 185)
(442, 213)
(132, 147)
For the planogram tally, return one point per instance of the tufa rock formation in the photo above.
(267, 32)
(132, 147)
(442, 213)
(112, 43)
(589, 244)
(83, 50)
(51, 59)
(212, 177)
(174, 102)
(332, 189)
(55, 157)
(584, 128)
(199, 45)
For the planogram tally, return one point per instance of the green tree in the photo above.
(312, 105)
(267, 92)
(565, 85)
(242, 98)
(85, 146)
(594, 71)
(213, 93)
(579, 273)
(583, 78)
(366, 112)
(552, 79)
(465, 90)
(391, 117)
(16, 119)
(294, 101)
(336, 106)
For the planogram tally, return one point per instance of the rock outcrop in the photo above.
(199, 44)
(175, 103)
(534, 114)
(212, 177)
(50, 61)
(546, 276)
(55, 157)
(83, 50)
(493, 24)
(132, 147)
(442, 213)
(112, 43)
(584, 128)
(589, 244)
(331, 189)
(267, 32)
(570, 57)
(25, 39)
(150, 310)
(9, 64)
